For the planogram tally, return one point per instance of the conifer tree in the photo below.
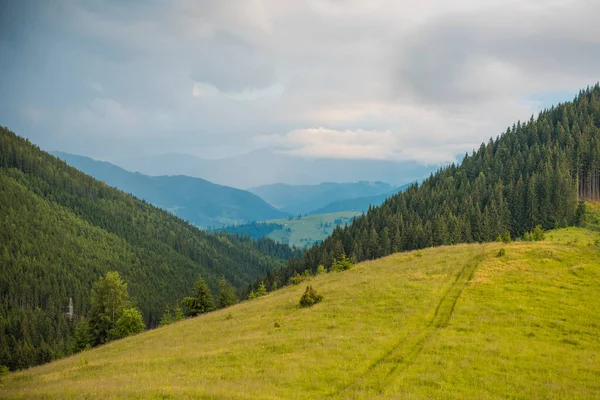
(202, 301)
(227, 296)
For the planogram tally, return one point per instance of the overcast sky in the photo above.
(373, 79)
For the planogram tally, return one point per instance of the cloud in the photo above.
(379, 79)
(360, 144)
(206, 90)
(330, 143)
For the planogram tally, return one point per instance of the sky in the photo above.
(379, 79)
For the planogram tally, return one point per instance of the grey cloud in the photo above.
(232, 65)
(106, 78)
(556, 41)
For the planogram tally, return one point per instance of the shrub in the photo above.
(3, 370)
(310, 297)
(501, 252)
(506, 237)
(298, 279)
(262, 290)
(321, 270)
(342, 264)
(538, 234)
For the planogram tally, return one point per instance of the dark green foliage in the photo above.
(501, 252)
(227, 296)
(253, 229)
(538, 234)
(506, 237)
(82, 336)
(580, 213)
(296, 279)
(60, 230)
(534, 174)
(172, 316)
(202, 301)
(310, 297)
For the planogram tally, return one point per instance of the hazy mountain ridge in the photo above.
(301, 199)
(197, 200)
(358, 204)
(270, 166)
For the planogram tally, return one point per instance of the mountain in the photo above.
(60, 230)
(531, 176)
(360, 204)
(269, 166)
(301, 199)
(452, 322)
(196, 200)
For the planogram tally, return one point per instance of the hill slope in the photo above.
(301, 199)
(196, 200)
(61, 229)
(451, 322)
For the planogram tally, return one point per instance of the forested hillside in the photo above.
(196, 200)
(533, 174)
(61, 229)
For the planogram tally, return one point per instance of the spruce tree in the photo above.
(202, 301)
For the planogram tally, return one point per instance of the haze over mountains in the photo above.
(270, 166)
(196, 200)
(303, 199)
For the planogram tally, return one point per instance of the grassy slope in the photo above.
(448, 322)
(306, 230)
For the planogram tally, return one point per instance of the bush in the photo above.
(310, 297)
(506, 237)
(538, 234)
(321, 270)
(3, 370)
(501, 252)
(342, 264)
(298, 279)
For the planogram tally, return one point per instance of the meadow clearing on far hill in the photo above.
(496, 320)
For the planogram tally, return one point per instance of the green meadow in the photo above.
(307, 230)
(453, 322)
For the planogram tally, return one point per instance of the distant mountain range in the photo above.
(303, 199)
(199, 201)
(358, 204)
(269, 166)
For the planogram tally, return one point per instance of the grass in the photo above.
(451, 322)
(309, 229)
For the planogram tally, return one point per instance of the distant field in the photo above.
(454, 322)
(309, 229)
